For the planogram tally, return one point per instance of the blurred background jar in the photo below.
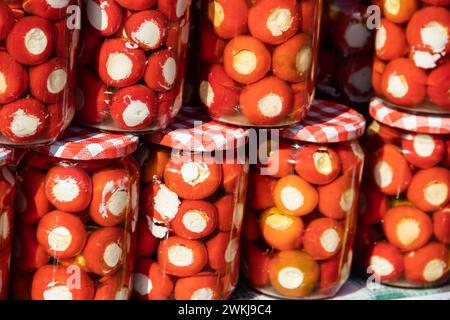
(132, 63)
(259, 60)
(345, 56)
(38, 45)
(7, 196)
(76, 219)
(411, 70)
(404, 223)
(301, 208)
(194, 183)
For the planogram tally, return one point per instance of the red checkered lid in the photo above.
(6, 155)
(408, 121)
(192, 130)
(84, 144)
(327, 122)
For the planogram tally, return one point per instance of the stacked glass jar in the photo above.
(7, 200)
(259, 60)
(346, 36)
(302, 206)
(194, 185)
(132, 63)
(411, 68)
(404, 223)
(77, 214)
(38, 41)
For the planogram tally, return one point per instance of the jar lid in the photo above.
(192, 130)
(327, 122)
(408, 121)
(84, 144)
(6, 155)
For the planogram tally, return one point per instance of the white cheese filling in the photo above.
(206, 93)
(157, 230)
(279, 221)
(23, 124)
(425, 60)
(292, 198)
(303, 60)
(142, 284)
(423, 145)
(279, 21)
(119, 66)
(57, 4)
(290, 278)
(169, 71)
(122, 294)
(245, 62)
(112, 254)
(360, 79)
(383, 174)
(270, 105)
(356, 35)
(330, 240)
(435, 35)
(135, 113)
(57, 292)
(36, 41)
(57, 81)
(180, 256)
(322, 162)
(381, 266)
(216, 13)
(3, 83)
(59, 239)
(347, 199)
(4, 225)
(408, 230)
(194, 221)
(194, 173)
(231, 251)
(380, 38)
(118, 201)
(97, 15)
(65, 190)
(203, 294)
(434, 270)
(392, 6)
(148, 33)
(166, 202)
(436, 193)
(397, 86)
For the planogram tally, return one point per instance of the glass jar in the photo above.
(411, 68)
(302, 205)
(259, 60)
(7, 196)
(38, 44)
(404, 222)
(77, 214)
(133, 61)
(345, 36)
(194, 183)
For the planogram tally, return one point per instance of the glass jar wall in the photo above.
(76, 219)
(7, 201)
(132, 63)
(192, 206)
(301, 210)
(259, 60)
(410, 68)
(404, 223)
(38, 44)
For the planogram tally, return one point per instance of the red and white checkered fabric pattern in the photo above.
(410, 122)
(192, 130)
(84, 144)
(327, 122)
(6, 155)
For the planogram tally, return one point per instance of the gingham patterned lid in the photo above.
(327, 122)
(408, 121)
(6, 155)
(84, 144)
(192, 130)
